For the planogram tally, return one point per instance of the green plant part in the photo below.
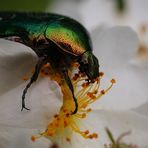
(120, 6)
(118, 143)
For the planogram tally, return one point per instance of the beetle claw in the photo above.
(23, 102)
(23, 107)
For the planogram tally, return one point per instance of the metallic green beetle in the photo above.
(56, 39)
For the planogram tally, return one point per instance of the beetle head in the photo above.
(89, 65)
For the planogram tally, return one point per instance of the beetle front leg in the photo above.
(40, 63)
(69, 83)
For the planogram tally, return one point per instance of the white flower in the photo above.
(112, 46)
(64, 7)
(116, 60)
(99, 11)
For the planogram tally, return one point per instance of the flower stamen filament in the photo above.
(86, 93)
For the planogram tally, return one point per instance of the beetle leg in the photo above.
(40, 63)
(69, 83)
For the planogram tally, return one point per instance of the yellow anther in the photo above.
(47, 65)
(95, 135)
(68, 139)
(85, 85)
(86, 132)
(91, 95)
(101, 74)
(26, 77)
(84, 105)
(76, 76)
(68, 114)
(113, 81)
(83, 115)
(95, 92)
(56, 115)
(82, 74)
(65, 123)
(65, 110)
(89, 110)
(33, 138)
(102, 92)
(50, 133)
(51, 124)
(98, 80)
(90, 136)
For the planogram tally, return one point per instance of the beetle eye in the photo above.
(84, 61)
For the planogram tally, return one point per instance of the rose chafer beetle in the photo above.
(56, 39)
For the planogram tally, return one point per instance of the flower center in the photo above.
(86, 93)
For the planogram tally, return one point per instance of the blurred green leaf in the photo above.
(120, 5)
(118, 142)
(24, 5)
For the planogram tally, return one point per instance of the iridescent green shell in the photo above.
(67, 33)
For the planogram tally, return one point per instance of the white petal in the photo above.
(66, 7)
(115, 49)
(17, 60)
(118, 122)
(136, 12)
(42, 102)
(95, 12)
(98, 12)
(11, 137)
(115, 46)
(142, 109)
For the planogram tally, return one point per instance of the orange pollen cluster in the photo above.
(26, 77)
(86, 93)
